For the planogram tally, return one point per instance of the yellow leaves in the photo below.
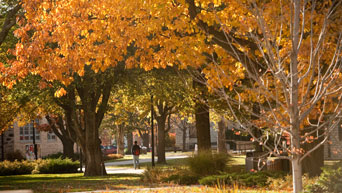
(60, 92)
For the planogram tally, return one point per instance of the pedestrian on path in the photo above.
(136, 153)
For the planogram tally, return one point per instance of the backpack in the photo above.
(136, 150)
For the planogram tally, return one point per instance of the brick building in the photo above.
(21, 138)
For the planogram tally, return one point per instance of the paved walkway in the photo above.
(129, 169)
(146, 160)
(111, 169)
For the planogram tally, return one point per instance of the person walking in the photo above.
(136, 153)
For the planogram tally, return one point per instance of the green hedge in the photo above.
(182, 179)
(16, 168)
(49, 166)
(330, 181)
(258, 179)
(57, 166)
(208, 163)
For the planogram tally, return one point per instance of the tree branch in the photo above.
(10, 21)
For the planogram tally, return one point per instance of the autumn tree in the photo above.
(277, 46)
(133, 105)
(82, 59)
(290, 52)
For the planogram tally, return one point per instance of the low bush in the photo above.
(158, 174)
(330, 181)
(61, 155)
(183, 178)
(57, 166)
(54, 156)
(208, 163)
(16, 155)
(257, 179)
(112, 157)
(285, 183)
(152, 175)
(16, 168)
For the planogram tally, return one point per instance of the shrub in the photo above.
(182, 178)
(152, 175)
(329, 181)
(54, 156)
(158, 174)
(285, 183)
(16, 168)
(57, 166)
(112, 157)
(207, 163)
(61, 155)
(258, 179)
(16, 155)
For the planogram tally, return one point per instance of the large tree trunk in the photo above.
(202, 117)
(184, 129)
(203, 127)
(85, 119)
(120, 144)
(221, 136)
(68, 149)
(64, 134)
(129, 142)
(161, 139)
(94, 165)
(146, 139)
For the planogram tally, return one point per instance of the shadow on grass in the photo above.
(70, 182)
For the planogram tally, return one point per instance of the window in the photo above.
(51, 136)
(26, 133)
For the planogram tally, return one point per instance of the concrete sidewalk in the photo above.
(146, 160)
(111, 169)
(124, 170)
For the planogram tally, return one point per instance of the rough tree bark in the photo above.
(221, 136)
(184, 129)
(294, 98)
(161, 139)
(9, 22)
(63, 133)
(202, 117)
(120, 140)
(85, 118)
(129, 142)
(163, 111)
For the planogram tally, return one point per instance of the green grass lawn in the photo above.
(70, 182)
(77, 182)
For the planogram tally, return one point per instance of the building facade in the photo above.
(20, 138)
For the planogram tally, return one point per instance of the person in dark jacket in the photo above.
(136, 153)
